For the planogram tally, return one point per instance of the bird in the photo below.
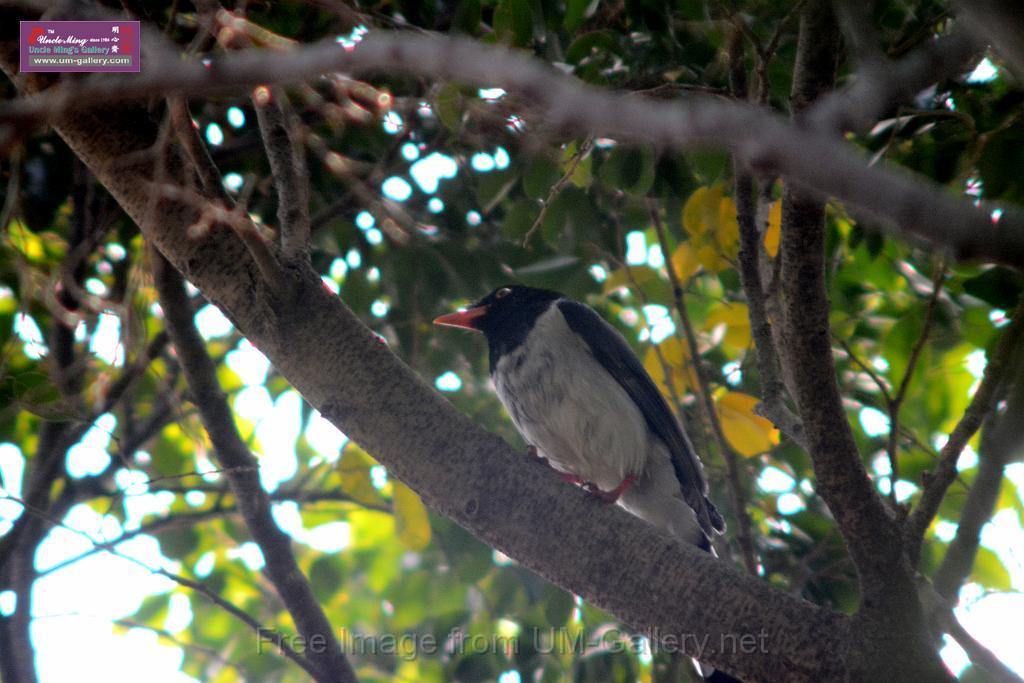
(585, 405)
(583, 402)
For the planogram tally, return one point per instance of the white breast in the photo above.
(567, 405)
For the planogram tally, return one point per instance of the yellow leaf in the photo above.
(677, 358)
(737, 325)
(748, 433)
(728, 234)
(710, 259)
(700, 213)
(774, 231)
(356, 481)
(411, 520)
(685, 262)
(26, 241)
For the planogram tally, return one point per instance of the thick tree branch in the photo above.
(889, 606)
(898, 200)
(241, 470)
(882, 83)
(841, 478)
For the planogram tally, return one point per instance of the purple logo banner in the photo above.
(77, 46)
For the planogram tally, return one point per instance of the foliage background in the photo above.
(425, 196)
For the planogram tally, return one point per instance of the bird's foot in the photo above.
(609, 497)
(566, 476)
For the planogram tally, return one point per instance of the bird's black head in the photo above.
(505, 316)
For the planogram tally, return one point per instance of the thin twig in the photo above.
(980, 656)
(195, 150)
(773, 406)
(736, 494)
(557, 188)
(1002, 438)
(939, 479)
(279, 640)
(13, 190)
(287, 165)
(896, 402)
(253, 502)
(881, 384)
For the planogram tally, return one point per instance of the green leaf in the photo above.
(989, 571)
(541, 174)
(519, 219)
(998, 286)
(177, 543)
(581, 174)
(513, 22)
(576, 11)
(153, 609)
(709, 166)
(325, 577)
(594, 43)
(630, 169)
(448, 106)
(356, 482)
(467, 17)
(558, 605)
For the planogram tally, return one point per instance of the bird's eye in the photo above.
(502, 293)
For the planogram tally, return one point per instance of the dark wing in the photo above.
(612, 351)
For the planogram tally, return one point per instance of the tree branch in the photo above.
(882, 82)
(896, 402)
(977, 510)
(289, 170)
(261, 631)
(1001, 443)
(841, 478)
(241, 471)
(979, 655)
(898, 200)
(938, 481)
(737, 496)
(999, 23)
(773, 406)
(889, 606)
(460, 470)
(613, 560)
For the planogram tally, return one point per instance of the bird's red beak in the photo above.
(463, 319)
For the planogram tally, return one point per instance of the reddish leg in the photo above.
(610, 497)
